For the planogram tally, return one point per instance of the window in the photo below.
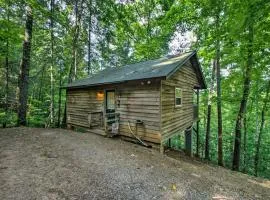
(178, 97)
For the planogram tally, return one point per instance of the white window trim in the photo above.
(181, 91)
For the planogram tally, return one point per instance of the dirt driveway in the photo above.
(61, 164)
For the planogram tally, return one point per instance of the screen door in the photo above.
(110, 101)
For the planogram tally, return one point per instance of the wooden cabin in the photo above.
(152, 100)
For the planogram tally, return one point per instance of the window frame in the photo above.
(181, 97)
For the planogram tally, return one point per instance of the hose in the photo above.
(142, 142)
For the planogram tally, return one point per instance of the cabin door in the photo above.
(109, 109)
(110, 101)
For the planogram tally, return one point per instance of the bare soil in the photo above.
(62, 164)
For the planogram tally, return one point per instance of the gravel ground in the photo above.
(62, 164)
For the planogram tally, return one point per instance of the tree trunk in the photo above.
(220, 146)
(25, 67)
(52, 64)
(40, 92)
(207, 135)
(148, 28)
(258, 145)
(204, 126)
(7, 74)
(59, 100)
(7, 85)
(245, 143)
(59, 97)
(64, 120)
(73, 67)
(198, 126)
(243, 104)
(255, 135)
(89, 69)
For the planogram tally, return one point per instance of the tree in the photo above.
(76, 31)
(258, 145)
(246, 90)
(89, 70)
(52, 63)
(25, 67)
(220, 146)
(209, 110)
(7, 72)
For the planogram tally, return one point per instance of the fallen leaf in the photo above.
(173, 187)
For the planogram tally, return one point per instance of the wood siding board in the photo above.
(137, 102)
(175, 120)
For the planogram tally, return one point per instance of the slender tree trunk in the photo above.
(243, 104)
(258, 145)
(52, 64)
(204, 126)
(245, 122)
(40, 94)
(89, 69)
(7, 84)
(209, 107)
(64, 120)
(219, 113)
(73, 68)
(198, 126)
(207, 135)
(25, 67)
(59, 99)
(148, 28)
(245, 143)
(255, 135)
(7, 74)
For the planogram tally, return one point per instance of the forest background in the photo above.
(46, 44)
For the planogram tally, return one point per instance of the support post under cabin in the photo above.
(188, 141)
(162, 148)
(198, 124)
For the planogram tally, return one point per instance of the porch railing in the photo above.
(111, 123)
(95, 119)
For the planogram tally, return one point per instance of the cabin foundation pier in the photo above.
(162, 148)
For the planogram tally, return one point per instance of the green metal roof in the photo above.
(162, 67)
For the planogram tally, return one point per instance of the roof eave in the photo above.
(198, 66)
(203, 83)
(180, 65)
(109, 83)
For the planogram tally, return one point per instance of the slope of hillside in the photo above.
(61, 164)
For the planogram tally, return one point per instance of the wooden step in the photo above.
(97, 131)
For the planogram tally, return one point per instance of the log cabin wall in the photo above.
(80, 103)
(140, 100)
(134, 100)
(177, 119)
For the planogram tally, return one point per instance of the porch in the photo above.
(103, 123)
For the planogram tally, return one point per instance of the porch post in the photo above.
(188, 141)
(198, 121)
